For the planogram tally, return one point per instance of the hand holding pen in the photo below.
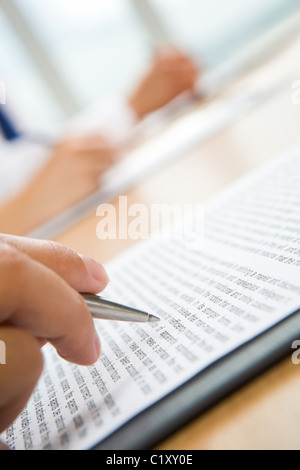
(39, 303)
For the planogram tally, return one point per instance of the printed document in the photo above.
(241, 280)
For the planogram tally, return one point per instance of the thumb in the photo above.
(20, 374)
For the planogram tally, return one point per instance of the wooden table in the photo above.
(265, 414)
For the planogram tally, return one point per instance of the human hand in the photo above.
(171, 75)
(39, 302)
(72, 174)
(76, 165)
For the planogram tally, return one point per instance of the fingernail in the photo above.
(96, 270)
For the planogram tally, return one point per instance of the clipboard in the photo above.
(206, 389)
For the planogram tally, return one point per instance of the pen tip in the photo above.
(153, 319)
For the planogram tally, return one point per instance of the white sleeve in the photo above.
(19, 163)
(114, 119)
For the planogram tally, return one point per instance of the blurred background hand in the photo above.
(171, 74)
(72, 173)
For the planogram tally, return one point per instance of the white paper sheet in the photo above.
(210, 300)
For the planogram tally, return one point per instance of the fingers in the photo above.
(3, 446)
(18, 377)
(95, 154)
(93, 145)
(176, 61)
(179, 72)
(185, 73)
(84, 156)
(37, 300)
(80, 272)
(38, 304)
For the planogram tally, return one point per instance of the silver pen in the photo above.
(106, 310)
